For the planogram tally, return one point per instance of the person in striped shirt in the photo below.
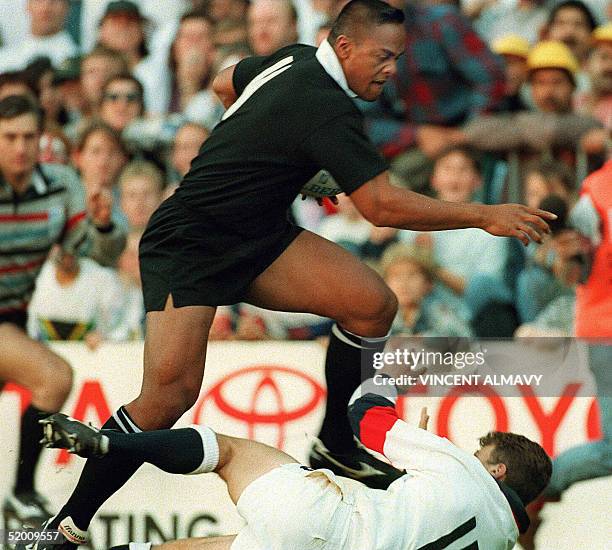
(40, 205)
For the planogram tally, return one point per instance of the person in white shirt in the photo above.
(447, 498)
(46, 37)
(75, 299)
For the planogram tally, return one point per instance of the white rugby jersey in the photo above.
(446, 500)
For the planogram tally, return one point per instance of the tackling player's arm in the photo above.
(223, 86)
(384, 204)
(231, 82)
(375, 422)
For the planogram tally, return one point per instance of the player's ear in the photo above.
(343, 46)
(498, 471)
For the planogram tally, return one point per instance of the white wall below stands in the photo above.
(274, 393)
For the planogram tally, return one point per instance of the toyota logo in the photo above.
(264, 395)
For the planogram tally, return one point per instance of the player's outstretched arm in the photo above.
(384, 204)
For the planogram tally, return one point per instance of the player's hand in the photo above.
(333, 199)
(424, 420)
(517, 220)
(100, 206)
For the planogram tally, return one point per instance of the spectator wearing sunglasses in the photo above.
(122, 102)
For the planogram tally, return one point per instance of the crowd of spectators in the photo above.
(494, 100)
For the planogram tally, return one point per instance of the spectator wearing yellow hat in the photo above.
(514, 49)
(597, 102)
(551, 126)
(552, 70)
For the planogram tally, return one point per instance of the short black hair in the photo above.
(14, 106)
(17, 77)
(130, 78)
(575, 4)
(360, 13)
(468, 152)
(528, 467)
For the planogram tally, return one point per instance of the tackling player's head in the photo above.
(520, 463)
(368, 37)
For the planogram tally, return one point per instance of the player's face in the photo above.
(371, 59)
(19, 138)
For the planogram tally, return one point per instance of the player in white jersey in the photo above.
(447, 498)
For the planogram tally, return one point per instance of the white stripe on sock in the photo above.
(140, 545)
(211, 450)
(343, 338)
(121, 424)
(135, 429)
(340, 334)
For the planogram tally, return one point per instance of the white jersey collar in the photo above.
(330, 62)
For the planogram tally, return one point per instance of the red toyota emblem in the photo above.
(277, 382)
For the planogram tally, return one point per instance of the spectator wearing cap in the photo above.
(67, 78)
(551, 126)
(514, 49)
(447, 76)
(524, 18)
(46, 37)
(161, 16)
(122, 29)
(271, 25)
(597, 101)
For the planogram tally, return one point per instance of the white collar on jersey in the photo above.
(330, 62)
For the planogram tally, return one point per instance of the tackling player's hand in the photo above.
(517, 220)
(333, 199)
(424, 420)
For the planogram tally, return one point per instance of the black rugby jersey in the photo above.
(291, 120)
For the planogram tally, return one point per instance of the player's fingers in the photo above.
(520, 236)
(538, 223)
(542, 213)
(531, 232)
(424, 419)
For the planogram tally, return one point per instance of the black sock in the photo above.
(347, 364)
(177, 451)
(101, 477)
(29, 448)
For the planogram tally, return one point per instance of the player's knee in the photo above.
(172, 404)
(52, 392)
(374, 315)
(168, 400)
(381, 308)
